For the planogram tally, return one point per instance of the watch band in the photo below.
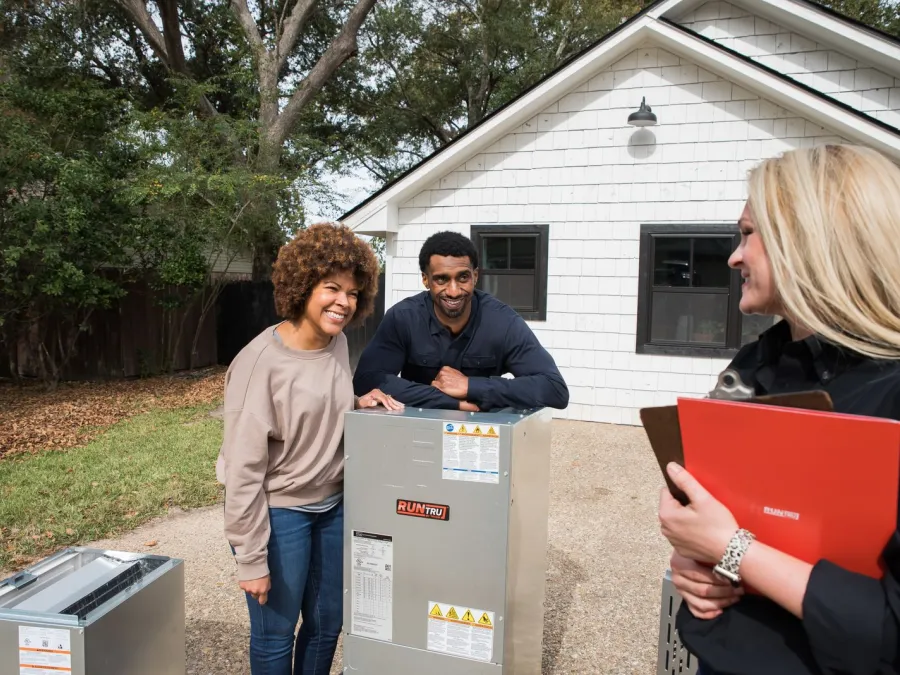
(730, 564)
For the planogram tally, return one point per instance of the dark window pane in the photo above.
(523, 253)
(697, 318)
(672, 261)
(516, 290)
(711, 262)
(496, 253)
(754, 324)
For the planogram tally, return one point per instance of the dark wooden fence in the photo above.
(246, 308)
(133, 337)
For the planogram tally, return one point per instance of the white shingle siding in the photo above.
(237, 265)
(579, 167)
(815, 65)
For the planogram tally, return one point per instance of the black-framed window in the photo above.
(513, 266)
(688, 297)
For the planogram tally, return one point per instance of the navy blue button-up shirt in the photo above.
(410, 347)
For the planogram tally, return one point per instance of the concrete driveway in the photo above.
(605, 562)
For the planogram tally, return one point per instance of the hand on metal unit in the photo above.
(377, 397)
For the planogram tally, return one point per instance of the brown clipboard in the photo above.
(664, 431)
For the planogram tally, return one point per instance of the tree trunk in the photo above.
(266, 246)
(208, 303)
(12, 356)
(67, 347)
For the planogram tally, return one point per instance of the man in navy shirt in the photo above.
(448, 347)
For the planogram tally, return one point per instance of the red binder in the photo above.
(816, 485)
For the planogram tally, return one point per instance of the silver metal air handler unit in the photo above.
(445, 541)
(86, 611)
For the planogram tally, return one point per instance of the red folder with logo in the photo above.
(816, 485)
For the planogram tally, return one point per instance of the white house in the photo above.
(612, 239)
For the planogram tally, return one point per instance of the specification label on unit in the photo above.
(372, 585)
(460, 631)
(44, 651)
(471, 453)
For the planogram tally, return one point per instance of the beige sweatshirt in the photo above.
(283, 445)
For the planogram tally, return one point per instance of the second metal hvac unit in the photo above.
(88, 611)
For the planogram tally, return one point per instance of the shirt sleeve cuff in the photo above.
(843, 615)
(479, 390)
(251, 571)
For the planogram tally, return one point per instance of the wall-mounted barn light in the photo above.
(643, 117)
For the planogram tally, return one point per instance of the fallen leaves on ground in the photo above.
(33, 419)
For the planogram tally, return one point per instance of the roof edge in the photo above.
(856, 23)
(655, 15)
(860, 115)
(556, 71)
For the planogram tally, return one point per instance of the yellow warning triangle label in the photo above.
(435, 611)
(477, 430)
(468, 616)
(485, 620)
(452, 613)
(462, 429)
(491, 432)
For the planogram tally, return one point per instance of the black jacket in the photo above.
(410, 347)
(850, 622)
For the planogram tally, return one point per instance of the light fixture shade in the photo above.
(643, 117)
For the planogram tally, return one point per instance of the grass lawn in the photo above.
(132, 472)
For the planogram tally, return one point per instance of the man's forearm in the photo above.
(530, 391)
(417, 395)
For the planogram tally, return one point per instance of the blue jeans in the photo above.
(306, 570)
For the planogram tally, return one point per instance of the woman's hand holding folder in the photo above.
(701, 530)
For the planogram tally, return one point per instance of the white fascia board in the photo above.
(377, 222)
(673, 9)
(811, 22)
(821, 26)
(776, 89)
(513, 116)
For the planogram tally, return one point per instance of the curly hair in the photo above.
(314, 254)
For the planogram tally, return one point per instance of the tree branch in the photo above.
(248, 23)
(168, 12)
(374, 167)
(173, 60)
(341, 48)
(137, 9)
(288, 32)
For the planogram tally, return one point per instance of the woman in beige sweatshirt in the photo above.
(281, 460)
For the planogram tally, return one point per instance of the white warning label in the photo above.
(471, 453)
(372, 586)
(44, 651)
(460, 631)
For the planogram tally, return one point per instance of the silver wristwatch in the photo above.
(730, 564)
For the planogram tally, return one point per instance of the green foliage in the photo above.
(881, 14)
(433, 69)
(113, 168)
(64, 225)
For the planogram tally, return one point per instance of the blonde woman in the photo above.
(820, 246)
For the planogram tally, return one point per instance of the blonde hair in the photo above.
(829, 218)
